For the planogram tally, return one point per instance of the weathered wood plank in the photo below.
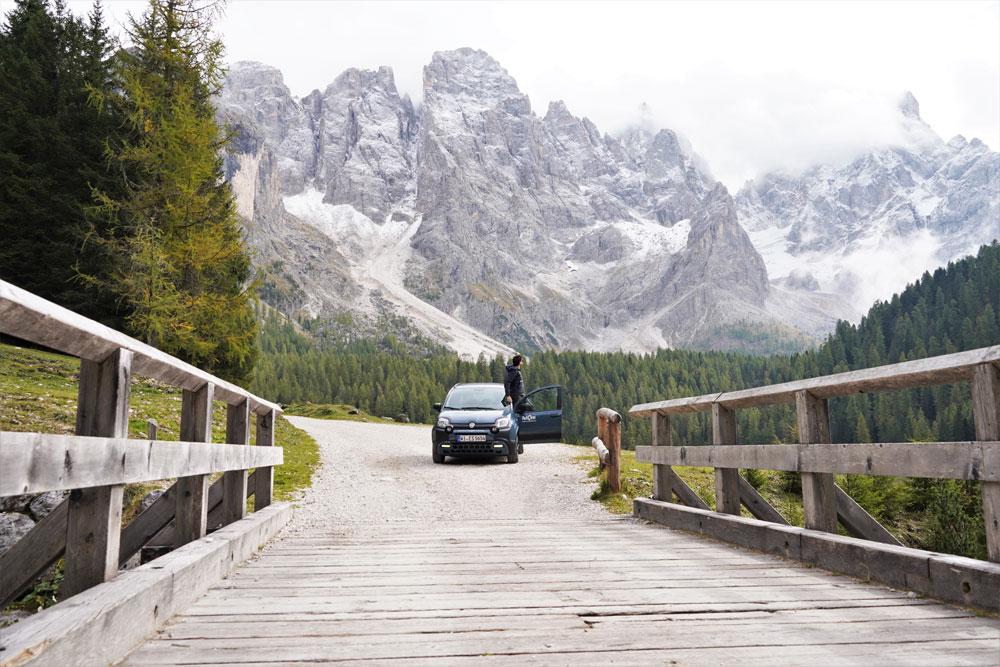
(944, 369)
(758, 505)
(106, 621)
(610, 415)
(685, 493)
(37, 462)
(262, 480)
(727, 480)
(30, 317)
(661, 473)
(942, 460)
(986, 412)
(191, 510)
(234, 482)
(164, 534)
(639, 636)
(94, 516)
(30, 556)
(602, 451)
(952, 578)
(614, 442)
(858, 522)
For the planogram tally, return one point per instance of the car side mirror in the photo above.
(437, 407)
(519, 409)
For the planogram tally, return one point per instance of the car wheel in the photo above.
(437, 457)
(512, 454)
(520, 448)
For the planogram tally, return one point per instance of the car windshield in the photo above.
(475, 397)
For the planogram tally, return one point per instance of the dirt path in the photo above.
(383, 472)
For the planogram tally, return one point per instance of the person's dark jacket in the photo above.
(513, 384)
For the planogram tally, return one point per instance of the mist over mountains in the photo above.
(488, 226)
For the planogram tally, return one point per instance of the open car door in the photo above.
(539, 416)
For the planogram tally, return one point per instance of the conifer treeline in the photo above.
(112, 196)
(954, 309)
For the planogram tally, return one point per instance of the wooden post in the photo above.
(234, 482)
(264, 477)
(662, 488)
(602, 435)
(191, 513)
(819, 502)
(727, 480)
(986, 412)
(151, 429)
(614, 444)
(94, 515)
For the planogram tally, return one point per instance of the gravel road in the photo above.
(376, 473)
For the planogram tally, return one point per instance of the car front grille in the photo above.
(474, 448)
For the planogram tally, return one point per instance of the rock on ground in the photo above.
(13, 526)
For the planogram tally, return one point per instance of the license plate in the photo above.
(472, 438)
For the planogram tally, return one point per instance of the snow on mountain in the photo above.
(476, 215)
(865, 229)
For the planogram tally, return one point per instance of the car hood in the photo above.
(463, 417)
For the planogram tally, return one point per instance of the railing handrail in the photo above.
(30, 317)
(944, 369)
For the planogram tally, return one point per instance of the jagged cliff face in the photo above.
(911, 208)
(477, 218)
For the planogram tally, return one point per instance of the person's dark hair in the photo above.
(516, 360)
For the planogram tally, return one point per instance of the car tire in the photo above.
(512, 455)
(520, 448)
(435, 456)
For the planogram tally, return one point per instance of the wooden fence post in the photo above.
(94, 515)
(986, 412)
(152, 429)
(234, 482)
(191, 512)
(662, 488)
(727, 480)
(264, 477)
(614, 430)
(819, 502)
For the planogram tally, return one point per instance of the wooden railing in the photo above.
(608, 444)
(95, 463)
(824, 503)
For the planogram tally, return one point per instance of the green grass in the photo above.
(38, 393)
(327, 411)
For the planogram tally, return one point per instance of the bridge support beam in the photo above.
(191, 512)
(94, 514)
(264, 477)
(661, 473)
(986, 412)
(727, 480)
(819, 501)
(234, 482)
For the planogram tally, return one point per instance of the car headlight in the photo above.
(502, 423)
(443, 422)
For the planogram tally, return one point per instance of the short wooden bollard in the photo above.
(609, 425)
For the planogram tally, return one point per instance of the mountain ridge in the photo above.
(537, 229)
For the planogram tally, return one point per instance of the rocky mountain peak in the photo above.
(909, 106)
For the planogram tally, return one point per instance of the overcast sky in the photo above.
(753, 85)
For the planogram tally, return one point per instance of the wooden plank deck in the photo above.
(553, 593)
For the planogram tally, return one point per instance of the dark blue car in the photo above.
(473, 421)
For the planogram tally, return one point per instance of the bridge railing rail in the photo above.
(818, 459)
(96, 463)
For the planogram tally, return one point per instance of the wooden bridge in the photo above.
(500, 591)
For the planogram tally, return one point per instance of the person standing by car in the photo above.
(513, 384)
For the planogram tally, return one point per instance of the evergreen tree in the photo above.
(179, 258)
(52, 151)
